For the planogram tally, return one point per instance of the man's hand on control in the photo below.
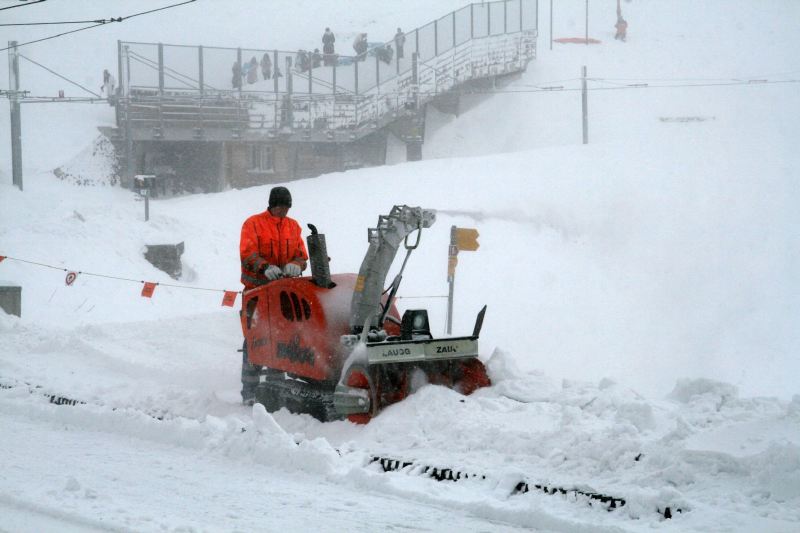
(273, 272)
(292, 270)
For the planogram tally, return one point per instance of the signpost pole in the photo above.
(461, 239)
(452, 260)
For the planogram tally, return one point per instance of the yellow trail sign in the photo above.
(466, 239)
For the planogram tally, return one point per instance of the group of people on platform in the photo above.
(248, 71)
(384, 52)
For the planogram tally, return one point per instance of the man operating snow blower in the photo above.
(335, 346)
(270, 248)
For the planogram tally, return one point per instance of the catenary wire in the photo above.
(60, 76)
(22, 5)
(54, 23)
(748, 83)
(112, 19)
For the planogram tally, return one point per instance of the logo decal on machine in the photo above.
(261, 341)
(393, 352)
(446, 349)
(294, 352)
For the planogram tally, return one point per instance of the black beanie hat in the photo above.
(280, 196)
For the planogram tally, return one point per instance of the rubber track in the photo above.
(392, 465)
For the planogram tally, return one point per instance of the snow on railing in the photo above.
(475, 59)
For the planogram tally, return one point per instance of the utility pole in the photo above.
(551, 24)
(16, 119)
(585, 106)
(587, 23)
(130, 165)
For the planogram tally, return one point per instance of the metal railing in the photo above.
(210, 87)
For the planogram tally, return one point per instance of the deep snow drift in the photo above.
(642, 290)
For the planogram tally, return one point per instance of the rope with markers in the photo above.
(148, 287)
(228, 299)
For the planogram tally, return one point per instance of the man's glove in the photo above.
(273, 272)
(291, 270)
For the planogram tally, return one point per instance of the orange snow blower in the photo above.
(335, 346)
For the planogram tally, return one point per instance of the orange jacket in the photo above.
(268, 240)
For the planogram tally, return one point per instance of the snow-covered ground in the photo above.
(643, 293)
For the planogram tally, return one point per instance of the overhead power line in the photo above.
(22, 5)
(33, 98)
(157, 9)
(100, 23)
(54, 36)
(59, 22)
(729, 83)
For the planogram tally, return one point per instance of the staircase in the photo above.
(162, 98)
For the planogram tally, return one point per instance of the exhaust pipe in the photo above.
(318, 255)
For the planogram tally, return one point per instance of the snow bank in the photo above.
(95, 165)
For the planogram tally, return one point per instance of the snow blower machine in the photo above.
(335, 346)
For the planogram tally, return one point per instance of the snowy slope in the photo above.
(642, 291)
